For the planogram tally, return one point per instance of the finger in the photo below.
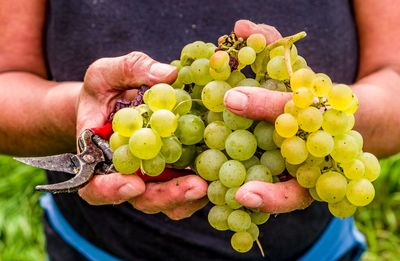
(244, 28)
(166, 195)
(256, 103)
(278, 197)
(187, 209)
(131, 70)
(112, 189)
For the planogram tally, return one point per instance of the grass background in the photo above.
(21, 235)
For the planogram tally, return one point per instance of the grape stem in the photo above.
(288, 60)
(287, 40)
(260, 247)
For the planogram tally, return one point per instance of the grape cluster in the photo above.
(186, 125)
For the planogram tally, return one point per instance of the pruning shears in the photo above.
(94, 158)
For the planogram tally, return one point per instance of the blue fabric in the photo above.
(61, 226)
(339, 238)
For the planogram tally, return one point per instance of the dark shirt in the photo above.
(81, 31)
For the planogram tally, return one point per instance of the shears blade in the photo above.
(62, 162)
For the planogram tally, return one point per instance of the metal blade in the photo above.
(62, 162)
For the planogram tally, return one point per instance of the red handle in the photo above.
(105, 131)
(166, 175)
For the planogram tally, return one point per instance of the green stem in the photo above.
(287, 40)
(288, 60)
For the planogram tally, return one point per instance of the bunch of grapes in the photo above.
(185, 125)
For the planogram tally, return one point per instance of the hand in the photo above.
(263, 104)
(105, 81)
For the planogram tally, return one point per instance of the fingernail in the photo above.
(236, 100)
(127, 191)
(158, 70)
(251, 200)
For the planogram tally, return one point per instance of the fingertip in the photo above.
(243, 28)
(162, 72)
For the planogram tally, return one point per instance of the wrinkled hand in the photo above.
(105, 81)
(263, 104)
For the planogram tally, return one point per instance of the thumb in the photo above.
(275, 198)
(244, 28)
(131, 70)
(256, 103)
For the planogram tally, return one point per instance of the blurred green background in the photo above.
(21, 236)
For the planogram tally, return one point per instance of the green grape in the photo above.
(199, 70)
(259, 218)
(302, 78)
(260, 64)
(145, 111)
(309, 119)
(340, 97)
(246, 55)
(242, 242)
(145, 143)
(248, 82)
(171, 149)
(335, 122)
(220, 76)
(177, 64)
(342, 209)
(216, 192)
(358, 138)
(253, 231)
(232, 173)
(161, 96)
(219, 61)
(235, 77)
(211, 49)
(353, 106)
(360, 192)
(186, 57)
(239, 220)
(291, 108)
(117, 140)
(214, 116)
(294, 150)
(251, 162)
(314, 194)
(123, 160)
(354, 169)
(320, 143)
(314, 160)
(190, 129)
(286, 125)
(183, 102)
(302, 97)
(208, 164)
(321, 85)
(259, 173)
(230, 198)
(274, 85)
(276, 68)
(184, 75)
(164, 122)
(280, 51)
(199, 49)
(218, 217)
(241, 145)
(345, 148)
(196, 92)
(177, 84)
(212, 95)
(351, 120)
(257, 42)
(126, 121)
(187, 158)
(263, 132)
(331, 186)
(299, 63)
(278, 140)
(215, 135)
(274, 161)
(236, 122)
(372, 166)
(154, 166)
(307, 175)
(292, 169)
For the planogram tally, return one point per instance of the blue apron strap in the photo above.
(339, 238)
(70, 236)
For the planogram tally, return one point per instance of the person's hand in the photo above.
(263, 104)
(106, 80)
